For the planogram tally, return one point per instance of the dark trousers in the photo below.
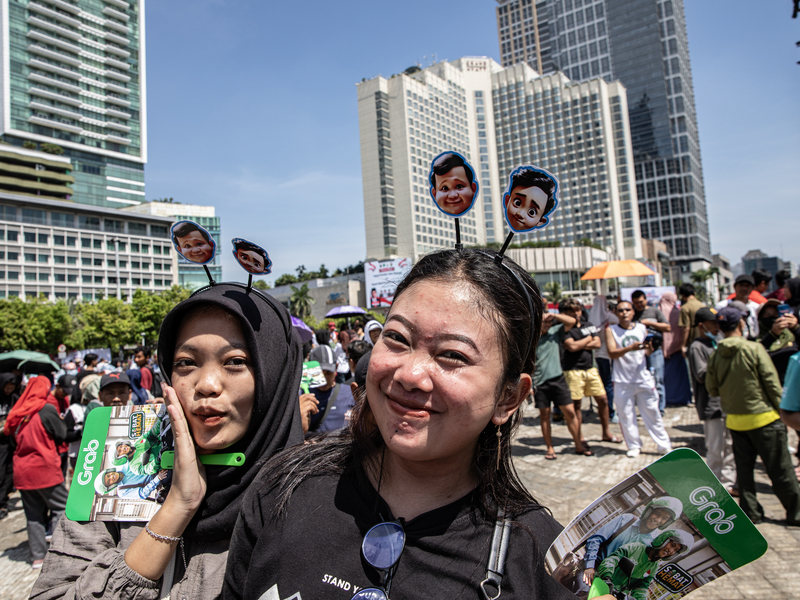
(770, 443)
(36, 503)
(604, 368)
(6, 472)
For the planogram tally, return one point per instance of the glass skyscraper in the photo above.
(643, 44)
(73, 75)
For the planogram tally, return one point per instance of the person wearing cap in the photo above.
(719, 448)
(741, 373)
(647, 559)
(743, 286)
(115, 389)
(657, 516)
(333, 399)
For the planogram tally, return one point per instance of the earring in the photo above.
(499, 446)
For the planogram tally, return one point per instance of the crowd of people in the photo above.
(402, 446)
(737, 361)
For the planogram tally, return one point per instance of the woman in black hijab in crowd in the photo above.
(791, 291)
(235, 366)
(8, 396)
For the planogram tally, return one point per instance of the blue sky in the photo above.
(252, 108)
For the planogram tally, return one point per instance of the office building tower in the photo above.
(498, 119)
(189, 274)
(68, 250)
(643, 44)
(73, 78)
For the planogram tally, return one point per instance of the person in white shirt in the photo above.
(634, 385)
(743, 286)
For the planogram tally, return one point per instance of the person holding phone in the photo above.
(633, 383)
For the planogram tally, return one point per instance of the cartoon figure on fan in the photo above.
(193, 242)
(530, 199)
(128, 484)
(453, 184)
(143, 455)
(251, 257)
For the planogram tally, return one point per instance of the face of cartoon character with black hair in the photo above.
(195, 247)
(525, 208)
(454, 192)
(250, 260)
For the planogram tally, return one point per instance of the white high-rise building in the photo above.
(498, 119)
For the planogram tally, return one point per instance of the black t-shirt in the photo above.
(314, 550)
(582, 359)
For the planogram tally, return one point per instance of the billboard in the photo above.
(382, 278)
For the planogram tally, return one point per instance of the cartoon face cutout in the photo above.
(453, 184)
(193, 242)
(251, 257)
(530, 199)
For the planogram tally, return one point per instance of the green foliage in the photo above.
(699, 279)
(301, 301)
(350, 269)
(29, 145)
(34, 325)
(52, 149)
(261, 285)
(285, 279)
(40, 325)
(587, 242)
(554, 291)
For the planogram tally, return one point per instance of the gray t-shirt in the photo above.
(651, 313)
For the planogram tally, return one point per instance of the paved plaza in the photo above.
(566, 486)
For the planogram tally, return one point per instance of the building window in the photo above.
(30, 237)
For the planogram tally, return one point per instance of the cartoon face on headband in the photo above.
(530, 199)
(193, 242)
(251, 257)
(454, 187)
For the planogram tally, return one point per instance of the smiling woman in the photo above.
(235, 366)
(428, 454)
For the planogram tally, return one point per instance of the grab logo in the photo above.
(714, 515)
(85, 476)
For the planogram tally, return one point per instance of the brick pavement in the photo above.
(566, 486)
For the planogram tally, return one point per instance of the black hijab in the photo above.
(275, 423)
(794, 289)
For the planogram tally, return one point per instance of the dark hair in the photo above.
(307, 347)
(356, 349)
(622, 302)
(761, 276)
(185, 229)
(499, 299)
(89, 358)
(445, 163)
(568, 304)
(781, 277)
(323, 337)
(528, 177)
(250, 247)
(638, 294)
(686, 290)
(143, 350)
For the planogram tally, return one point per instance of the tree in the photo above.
(150, 309)
(554, 291)
(52, 149)
(301, 301)
(107, 323)
(29, 145)
(587, 242)
(285, 279)
(34, 325)
(699, 279)
(261, 285)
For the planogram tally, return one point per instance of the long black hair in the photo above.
(500, 299)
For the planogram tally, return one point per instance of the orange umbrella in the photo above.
(618, 268)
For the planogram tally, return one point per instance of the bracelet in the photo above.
(167, 539)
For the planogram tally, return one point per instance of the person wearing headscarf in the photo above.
(340, 352)
(371, 332)
(8, 396)
(140, 395)
(36, 428)
(677, 388)
(234, 364)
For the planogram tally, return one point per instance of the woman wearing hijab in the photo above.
(426, 465)
(677, 388)
(372, 331)
(791, 292)
(234, 364)
(36, 428)
(140, 395)
(8, 396)
(340, 352)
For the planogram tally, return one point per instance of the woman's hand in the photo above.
(309, 405)
(189, 475)
(588, 576)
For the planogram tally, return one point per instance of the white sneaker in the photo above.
(664, 450)
(632, 453)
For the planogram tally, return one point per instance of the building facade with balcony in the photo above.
(73, 75)
(67, 250)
